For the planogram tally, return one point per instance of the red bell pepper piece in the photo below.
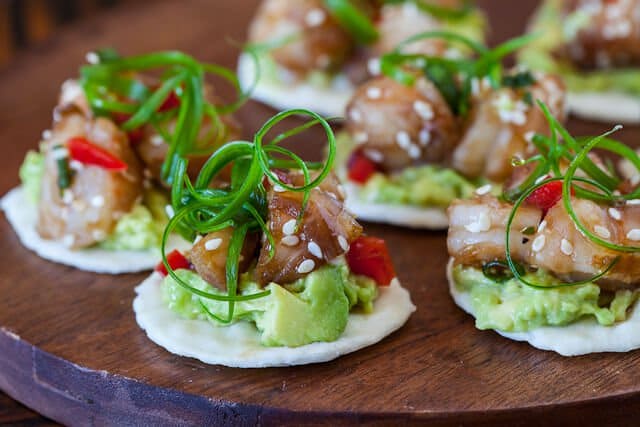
(176, 261)
(546, 196)
(369, 256)
(83, 151)
(360, 167)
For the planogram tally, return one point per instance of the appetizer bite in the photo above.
(312, 53)
(431, 130)
(94, 195)
(595, 46)
(279, 272)
(553, 261)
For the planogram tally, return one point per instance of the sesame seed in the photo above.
(60, 153)
(315, 17)
(373, 65)
(289, 227)
(424, 137)
(279, 188)
(414, 151)
(633, 202)
(355, 115)
(374, 155)
(67, 197)
(542, 226)
(538, 243)
(344, 245)
(306, 266)
(92, 58)
(482, 223)
(213, 244)
(46, 134)
(97, 201)
(314, 249)
(566, 247)
(360, 137)
(157, 140)
(403, 139)
(374, 92)
(483, 190)
(290, 240)
(197, 239)
(602, 231)
(634, 234)
(424, 110)
(169, 211)
(541, 178)
(529, 136)
(615, 214)
(68, 240)
(76, 165)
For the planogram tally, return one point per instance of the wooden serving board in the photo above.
(71, 350)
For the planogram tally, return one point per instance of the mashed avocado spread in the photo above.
(140, 229)
(514, 307)
(552, 31)
(314, 308)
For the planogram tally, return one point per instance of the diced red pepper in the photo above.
(83, 151)
(171, 101)
(360, 167)
(176, 261)
(369, 256)
(546, 196)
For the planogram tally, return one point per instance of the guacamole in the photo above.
(31, 172)
(552, 31)
(314, 308)
(515, 307)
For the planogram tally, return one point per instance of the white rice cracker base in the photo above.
(23, 217)
(402, 215)
(578, 338)
(611, 107)
(328, 102)
(239, 345)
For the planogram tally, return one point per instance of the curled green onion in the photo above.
(353, 20)
(440, 12)
(200, 209)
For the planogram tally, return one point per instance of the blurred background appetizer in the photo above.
(312, 53)
(94, 195)
(432, 129)
(595, 46)
(553, 260)
(280, 273)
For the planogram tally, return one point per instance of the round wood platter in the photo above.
(71, 350)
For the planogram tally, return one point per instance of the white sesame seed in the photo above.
(60, 153)
(355, 115)
(633, 202)
(403, 139)
(483, 190)
(541, 178)
(76, 165)
(157, 140)
(289, 227)
(68, 240)
(414, 151)
(290, 240)
(615, 214)
(566, 247)
(538, 243)
(424, 137)
(306, 266)
(602, 231)
(213, 244)
(98, 235)
(374, 155)
(542, 226)
(360, 137)
(373, 65)
(529, 136)
(634, 234)
(97, 201)
(46, 134)
(197, 239)
(67, 197)
(315, 17)
(314, 249)
(344, 245)
(92, 58)
(169, 211)
(279, 188)
(424, 110)
(374, 92)
(482, 223)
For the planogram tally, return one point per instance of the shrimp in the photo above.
(398, 125)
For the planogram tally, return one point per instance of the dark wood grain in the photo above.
(71, 348)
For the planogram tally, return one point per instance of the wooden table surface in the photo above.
(71, 349)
